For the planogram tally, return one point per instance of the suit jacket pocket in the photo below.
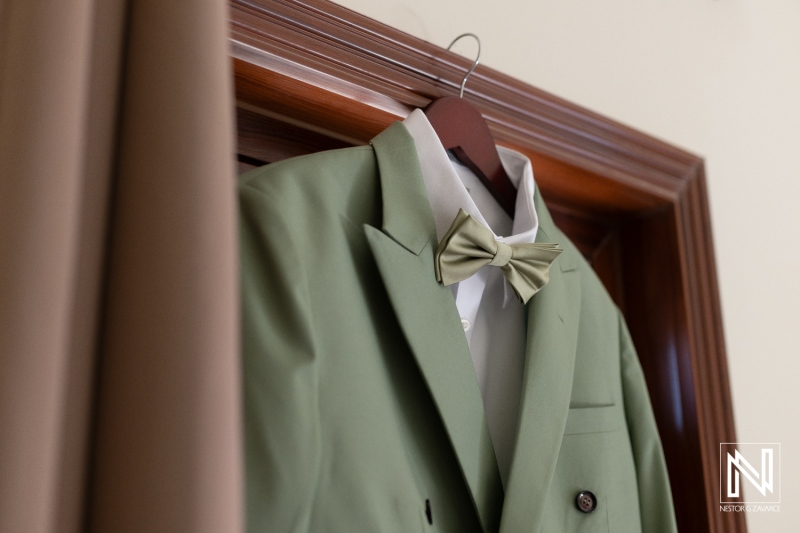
(589, 460)
(593, 419)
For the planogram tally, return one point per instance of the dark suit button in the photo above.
(586, 501)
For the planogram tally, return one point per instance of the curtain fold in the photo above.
(119, 371)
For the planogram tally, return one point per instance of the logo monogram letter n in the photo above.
(762, 482)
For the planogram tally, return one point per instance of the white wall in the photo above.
(720, 78)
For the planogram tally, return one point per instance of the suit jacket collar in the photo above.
(553, 318)
(407, 216)
(404, 252)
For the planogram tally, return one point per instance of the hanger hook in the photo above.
(475, 64)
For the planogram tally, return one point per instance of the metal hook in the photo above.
(474, 65)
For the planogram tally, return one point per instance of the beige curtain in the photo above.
(119, 377)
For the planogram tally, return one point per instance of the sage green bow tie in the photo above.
(469, 245)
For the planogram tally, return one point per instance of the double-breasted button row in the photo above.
(586, 501)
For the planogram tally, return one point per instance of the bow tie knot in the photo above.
(502, 256)
(468, 246)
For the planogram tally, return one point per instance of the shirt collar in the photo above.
(446, 192)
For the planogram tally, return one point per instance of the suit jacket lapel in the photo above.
(404, 252)
(553, 316)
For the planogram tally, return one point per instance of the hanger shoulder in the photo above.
(462, 129)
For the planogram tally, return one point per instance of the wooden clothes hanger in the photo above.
(462, 129)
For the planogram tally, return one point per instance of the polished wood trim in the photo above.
(312, 75)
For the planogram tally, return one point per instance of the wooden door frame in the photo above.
(312, 75)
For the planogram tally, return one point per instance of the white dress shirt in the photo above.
(494, 320)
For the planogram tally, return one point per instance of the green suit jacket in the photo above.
(362, 408)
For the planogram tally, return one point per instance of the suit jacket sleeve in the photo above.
(279, 370)
(655, 497)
